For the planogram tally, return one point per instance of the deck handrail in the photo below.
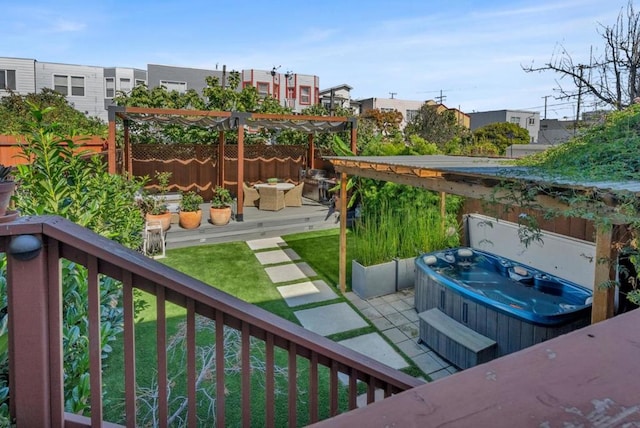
(35, 330)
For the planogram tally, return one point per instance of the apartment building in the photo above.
(529, 120)
(337, 96)
(296, 91)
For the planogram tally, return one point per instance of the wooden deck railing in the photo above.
(35, 328)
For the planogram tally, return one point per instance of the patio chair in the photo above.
(271, 199)
(293, 197)
(251, 196)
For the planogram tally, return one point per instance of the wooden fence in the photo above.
(195, 166)
(10, 149)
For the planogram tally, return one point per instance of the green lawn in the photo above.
(233, 268)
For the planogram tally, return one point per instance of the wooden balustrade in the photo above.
(35, 328)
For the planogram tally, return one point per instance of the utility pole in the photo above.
(441, 98)
(392, 94)
(545, 105)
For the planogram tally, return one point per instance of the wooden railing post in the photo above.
(30, 362)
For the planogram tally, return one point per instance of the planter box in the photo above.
(405, 273)
(372, 281)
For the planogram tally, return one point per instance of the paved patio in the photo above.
(393, 315)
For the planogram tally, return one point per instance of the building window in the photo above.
(60, 84)
(532, 121)
(387, 110)
(276, 91)
(305, 94)
(68, 85)
(291, 94)
(263, 89)
(411, 114)
(110, 87)
(125, 85)
(172, 85)
(77, 86)
(140, 82)
(8, 79)
(515, 119)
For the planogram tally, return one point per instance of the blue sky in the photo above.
(473, 51)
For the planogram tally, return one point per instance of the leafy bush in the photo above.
(61, 182)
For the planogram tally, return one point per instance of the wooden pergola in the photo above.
(477, 178)
(223, 121)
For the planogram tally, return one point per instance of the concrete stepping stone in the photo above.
(303, 293)
(285, 273)
(330, 319)
(262, 244)
(304, 267)
(374, 346)
(292, 254)
(272, 257)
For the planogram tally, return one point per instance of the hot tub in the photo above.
(513, 304)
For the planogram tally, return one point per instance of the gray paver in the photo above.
(272, 257)
(261, 244)
(303, 293)
(397, 319)
(395, 335)
(330, 319)
(306, 269)
(411, 315)
(410, 348)
(374, 346)
(427, 363)
(386, 309)
(390, 297)
(370, 312)
(400, 306)
(292, 254)
(284, 273)
(411, 330)
(439, 374)
(382, 323)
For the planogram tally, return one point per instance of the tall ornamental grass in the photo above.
(401, 229)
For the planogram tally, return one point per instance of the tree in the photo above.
(435, 126)
(501, 135)
(387, 122)
(612, 77)
(15, 114)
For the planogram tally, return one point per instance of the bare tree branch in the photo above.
(612, 77)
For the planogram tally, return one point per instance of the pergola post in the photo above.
(128, 162)
(311, 155)
(343, 234)
(111, 145)
(602, 306)
(240, 119)
(354, 136)
(221, 158)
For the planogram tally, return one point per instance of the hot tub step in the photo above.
(454, 341)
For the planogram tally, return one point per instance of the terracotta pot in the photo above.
(220, 216)
(190, 219)
(6, 190)
(165, 219)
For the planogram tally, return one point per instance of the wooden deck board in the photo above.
(588, 377)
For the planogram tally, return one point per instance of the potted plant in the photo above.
(154, 206)
(7, 186)
(272, 181)
(220, 211)
(190, 214)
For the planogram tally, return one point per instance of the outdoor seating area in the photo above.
(273, 196)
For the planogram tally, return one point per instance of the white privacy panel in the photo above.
(568, 258)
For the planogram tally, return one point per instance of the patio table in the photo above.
(279, 186)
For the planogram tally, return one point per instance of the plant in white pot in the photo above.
(220, 211)
(190, 214)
